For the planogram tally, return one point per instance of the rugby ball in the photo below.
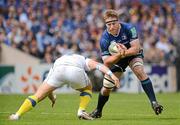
(113, 49)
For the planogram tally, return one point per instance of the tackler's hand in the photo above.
(116, 81)
(52, 98)
(53, 101)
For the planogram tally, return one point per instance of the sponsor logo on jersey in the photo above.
(133, 32)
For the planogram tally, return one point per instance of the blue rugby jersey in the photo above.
(126, 35)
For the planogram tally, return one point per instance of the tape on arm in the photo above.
(98, 66)
(109, 73)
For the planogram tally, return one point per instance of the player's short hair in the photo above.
(110, 13)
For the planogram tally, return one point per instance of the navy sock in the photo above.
(148, 88)
(102, 101)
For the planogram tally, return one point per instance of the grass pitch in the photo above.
(122, 109)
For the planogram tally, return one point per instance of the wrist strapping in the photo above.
(109, 73)
(98, 67)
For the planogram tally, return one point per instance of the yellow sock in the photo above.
(27, 105)
(85, 98)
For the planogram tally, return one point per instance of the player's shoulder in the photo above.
(105, 37)
(126, 26)
(105, 34)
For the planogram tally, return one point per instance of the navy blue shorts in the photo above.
(123, 63)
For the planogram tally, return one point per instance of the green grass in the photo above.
(122, 109)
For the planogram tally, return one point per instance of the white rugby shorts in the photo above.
(62, 74)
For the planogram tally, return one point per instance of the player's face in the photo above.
(112, 25)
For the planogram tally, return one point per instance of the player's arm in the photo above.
(110, 60)
(95, 65)
(134, 42)
(134, 49)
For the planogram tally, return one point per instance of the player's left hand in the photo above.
(53, 100)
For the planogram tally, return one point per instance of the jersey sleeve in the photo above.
(132, 33)
(104, 44)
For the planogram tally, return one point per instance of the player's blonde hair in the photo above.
(111, 13)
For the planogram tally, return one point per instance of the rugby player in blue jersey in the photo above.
(126, 35)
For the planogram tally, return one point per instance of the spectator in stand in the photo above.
(47, 18)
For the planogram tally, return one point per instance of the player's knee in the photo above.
(105, 91)
(33, 99)
(138, 69)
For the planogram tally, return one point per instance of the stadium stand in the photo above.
(12, 56)
(50, 28)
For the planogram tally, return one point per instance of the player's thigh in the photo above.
(55, 76)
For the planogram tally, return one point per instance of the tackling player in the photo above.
(126, 35)
(68, 69)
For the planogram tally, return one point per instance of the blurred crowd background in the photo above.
(48, 29)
